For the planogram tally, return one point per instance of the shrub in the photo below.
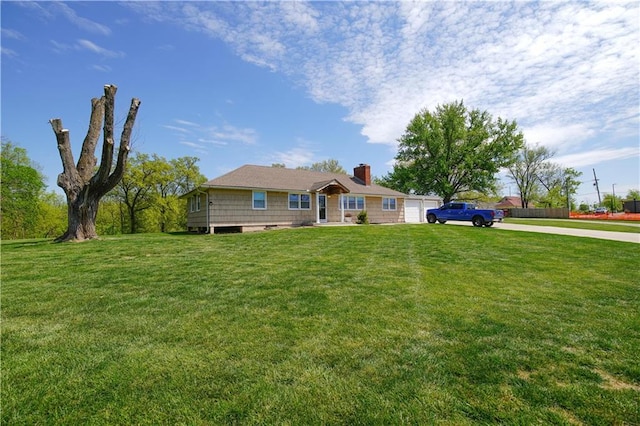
(362, 218)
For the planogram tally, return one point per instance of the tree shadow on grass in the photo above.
(27, 243)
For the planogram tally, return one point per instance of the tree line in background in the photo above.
(145, 200)
(456, 153)
(453, 152)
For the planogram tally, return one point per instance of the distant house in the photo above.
(510, 203)
(258, 197)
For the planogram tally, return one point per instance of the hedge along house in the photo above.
(259, 197)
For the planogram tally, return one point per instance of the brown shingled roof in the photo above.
(283, 179)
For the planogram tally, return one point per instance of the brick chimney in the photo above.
(363, 172)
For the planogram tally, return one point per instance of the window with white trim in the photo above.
(195, 203)
(300, 201)
(389, 204)
(259, 200)
(352, 202)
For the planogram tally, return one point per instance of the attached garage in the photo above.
(415, 208)
(412, 209)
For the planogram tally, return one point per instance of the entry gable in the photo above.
(330, 187)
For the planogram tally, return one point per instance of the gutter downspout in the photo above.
(208, 213)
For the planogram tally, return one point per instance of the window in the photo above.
(259, 200)
(299, 202)
(352, 202)
(388, 204)
(195, 203)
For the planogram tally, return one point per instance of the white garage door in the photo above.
(412, 211)
(430, 205)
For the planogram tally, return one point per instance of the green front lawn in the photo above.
(408, 324)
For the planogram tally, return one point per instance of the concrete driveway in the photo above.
(588, 233)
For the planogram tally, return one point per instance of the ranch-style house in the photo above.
(259, 197)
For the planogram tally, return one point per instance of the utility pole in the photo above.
(613, 200)
(595, 183)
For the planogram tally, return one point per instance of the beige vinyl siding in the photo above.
(197, 219)
(375, 213)
(232, 207)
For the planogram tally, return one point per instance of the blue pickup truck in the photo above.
(466, 212)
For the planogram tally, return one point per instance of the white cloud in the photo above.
(186, 123)
(233, 134)
(295, 157)
(8, 52)
(597, 156)
(566, 71)
(206, 136)
(13, 34)
(92, 47)
(82, 23)
(102, 68)
(558, 136)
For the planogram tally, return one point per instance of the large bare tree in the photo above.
(82, 184)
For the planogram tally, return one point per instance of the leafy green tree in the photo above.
(612, 203)
(525, 171)
(21, 187)
(560, 184)
(633, 194)
(400, 178)
(172, 179)
(329, 166)
(453, 150)
(52, 215)
(112, 216)
(135, 189)
(150, 190)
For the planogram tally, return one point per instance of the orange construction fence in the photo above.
(605, 216)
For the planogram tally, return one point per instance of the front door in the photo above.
(322, 207)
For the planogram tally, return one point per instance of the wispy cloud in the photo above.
(8, 52)
(102, 68)
(563, 70)
(13, 34)
(234, 134)
(207, 136)
(80, 22)
(295, 157)
(597, 156)
(92, 47)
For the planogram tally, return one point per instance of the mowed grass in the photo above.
(408, 324)
(593, 224)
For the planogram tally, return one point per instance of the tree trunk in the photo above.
(81, 223)
(82, 186)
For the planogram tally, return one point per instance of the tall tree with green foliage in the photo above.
(135, 189)
(150, 191)
(21, 186)
(172, 179)
(52, 215)
(453, 150)
(526, 170)
(560, 184)
(613, 203)
(633, 194)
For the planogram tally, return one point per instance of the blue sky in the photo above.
(238, 83)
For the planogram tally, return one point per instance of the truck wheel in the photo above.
(488, 224)
(431, 218)
(477, 221)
